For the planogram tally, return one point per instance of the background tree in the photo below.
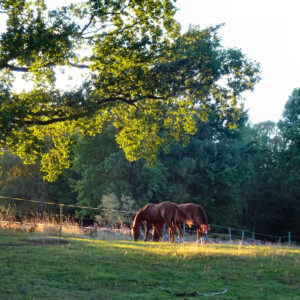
(261, 190)
(290, 163)
(18, 180)
(209, 170)
(110, 206)
(102, 169)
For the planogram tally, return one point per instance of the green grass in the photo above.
(104, 269)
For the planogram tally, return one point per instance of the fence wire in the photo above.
(217, 231)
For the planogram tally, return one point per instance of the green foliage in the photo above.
(247, 176)
(110, 205)
(26, 182)
(104, 170)
(290, 124)
(129, 208)
(115, 212)
(18, 180)
(143, 75)
(209, 170)
(290, 161)
(262, 188)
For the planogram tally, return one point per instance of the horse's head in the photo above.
(155, 235)
(135, 231)
(135, 228)
(205, 228)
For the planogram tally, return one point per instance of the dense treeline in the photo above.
(248, 176)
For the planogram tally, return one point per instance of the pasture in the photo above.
(35, 267)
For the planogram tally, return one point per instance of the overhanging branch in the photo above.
(93, 107)
(26, 69)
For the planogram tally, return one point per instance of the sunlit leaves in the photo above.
(145, 77)
(138, 129)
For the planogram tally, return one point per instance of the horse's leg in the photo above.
(146, 231)
(170, 234)
(157, 228)
(173, 228)
(171, 231)
(180, 231)
(199, 235)
(155, 234)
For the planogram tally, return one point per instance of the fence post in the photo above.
(290, 241)
(60, 213)
(253, 235)
(279, 240)
(60, 219)
(243, 234)
(229, 232)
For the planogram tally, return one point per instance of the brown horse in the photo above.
(158, 214)
(196, 216)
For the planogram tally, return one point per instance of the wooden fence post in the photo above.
(229, 232)
(243, 234)
(290, 240)
(60, 219)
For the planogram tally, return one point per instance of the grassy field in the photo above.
(112, 269)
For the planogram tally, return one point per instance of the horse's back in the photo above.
(166, 210)
(194, 212)
(156, 213)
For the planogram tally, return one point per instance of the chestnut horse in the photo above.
(196, 216)
(158, 214)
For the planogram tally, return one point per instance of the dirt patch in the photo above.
(36, 242)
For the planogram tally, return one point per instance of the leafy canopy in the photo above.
(290, 124)
(144, 76)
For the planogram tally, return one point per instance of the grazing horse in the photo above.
(158, 214)
(196, 216)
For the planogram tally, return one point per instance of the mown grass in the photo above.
(104, 269)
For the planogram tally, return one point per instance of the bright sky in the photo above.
(267, 31)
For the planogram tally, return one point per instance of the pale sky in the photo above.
(267, 31)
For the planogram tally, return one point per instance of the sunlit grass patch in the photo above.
(190, 250)
(89, 268)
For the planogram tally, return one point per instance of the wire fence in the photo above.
(56, 216)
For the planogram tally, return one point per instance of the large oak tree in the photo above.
(144, 76)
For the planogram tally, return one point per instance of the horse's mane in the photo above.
(137, 218)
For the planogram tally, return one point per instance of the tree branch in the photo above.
(88, 24)
(79, 66)
(55, 118)
(14, 68)
(26, 69)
